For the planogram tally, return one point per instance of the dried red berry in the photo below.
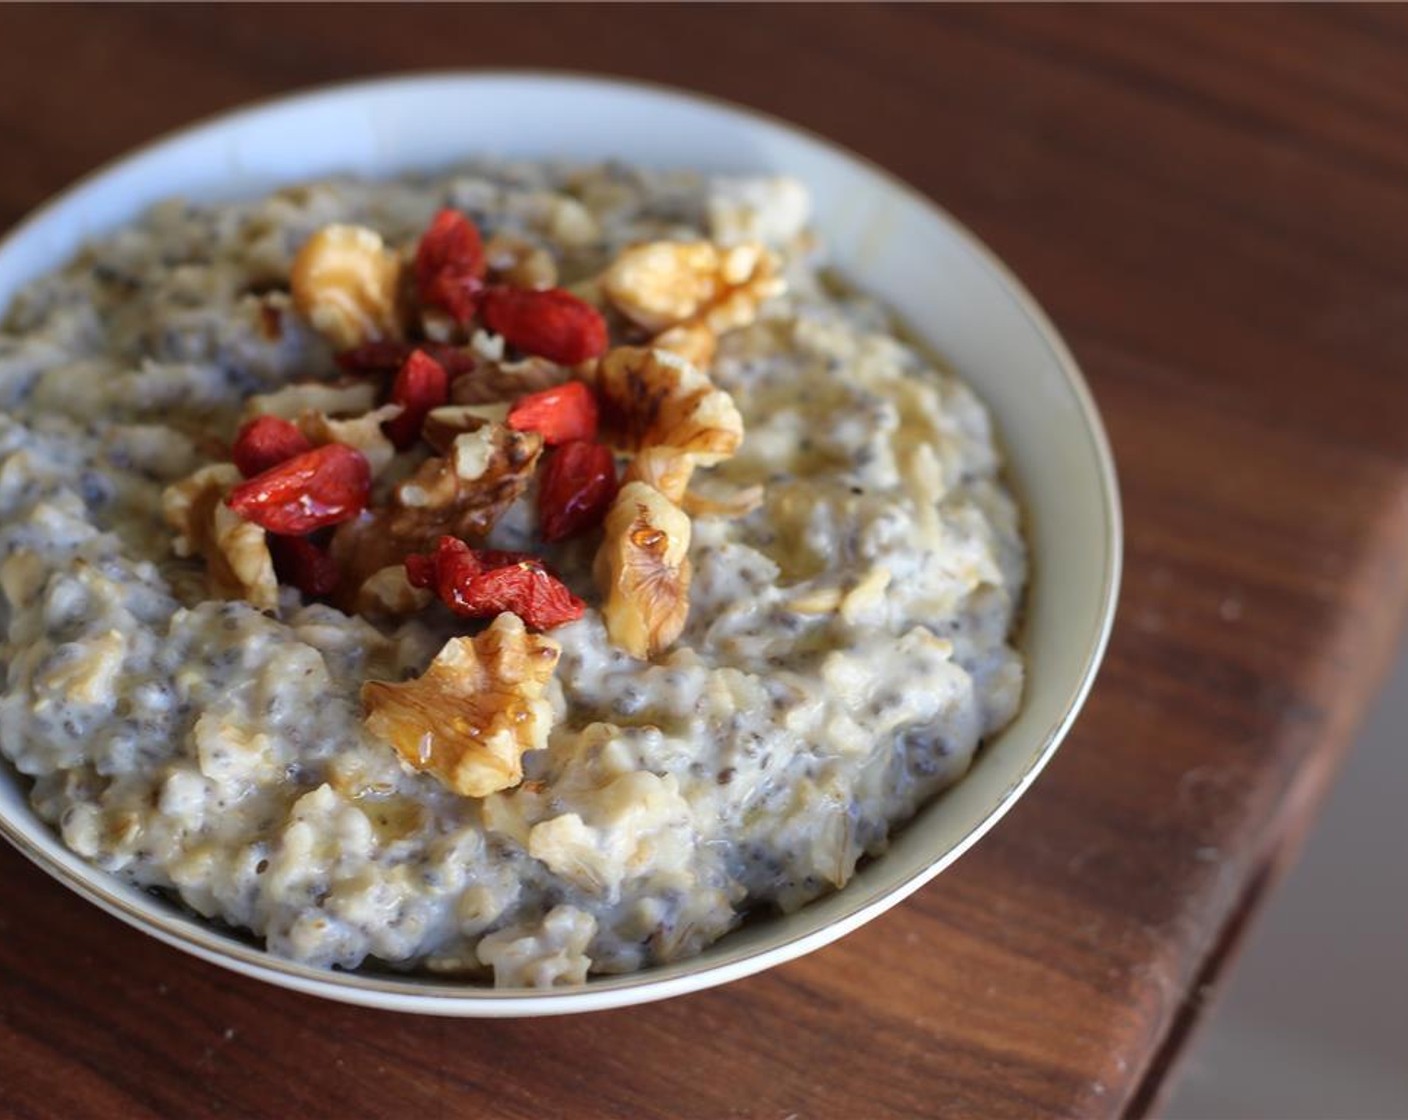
(421, 384)
(421, 569)
(457, 361)
(384, 358)
(265, 442)
(321, 487)
(455, 558)
(488, 558)
(561, 414)
(554, 323)
(527, 590)
(575, 490)
(481, 583)
(454, 555)
(380, 356)
(450, 266)
(302, 564)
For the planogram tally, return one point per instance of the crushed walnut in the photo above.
(520, 263)
(496, 381)
(653, 398)
(345, 283)
(236, 552)
(461, 493)
(669, 471)
(665, 284)
(472, 715)
(694, 342)
(643, 570)
(362, 432)
(465, 491)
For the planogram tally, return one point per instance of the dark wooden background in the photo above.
(1213, 205)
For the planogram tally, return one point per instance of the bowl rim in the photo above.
(439, 997)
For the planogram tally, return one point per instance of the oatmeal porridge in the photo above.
(516, 574)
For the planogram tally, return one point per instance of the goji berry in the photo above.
(450, 266)
(421, 384)
(540, 599)
(575, 490)
(265, 442)
(420, 570)
(453, 559)
(384, 358)
(554, 323)
(480, 583)
(380, 356)
(488, 558)
(302, 564)
(321, 487)
(561, 414)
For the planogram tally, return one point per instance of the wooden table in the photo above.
(1213, 206)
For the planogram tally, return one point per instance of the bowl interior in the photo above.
(953, 295)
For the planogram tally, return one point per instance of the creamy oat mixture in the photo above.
(846, 650)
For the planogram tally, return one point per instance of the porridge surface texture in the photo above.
(846, 651)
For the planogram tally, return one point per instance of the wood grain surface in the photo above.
(1213, 206)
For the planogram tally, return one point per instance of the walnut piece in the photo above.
(362, 432)
(345, 282)
(643, 570)
(519, 263)
(471, 716)
(446, 424)
(670, 472)
(184, 504)
(492, 381)
(236, 551)
(332, 398)
(739, 504)
(653, 398)
(387, 593)
(662, 284)
(459, 494)
(664, 468)
(464, 492)
(694, 342)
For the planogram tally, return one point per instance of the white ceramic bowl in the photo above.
(888, 240)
